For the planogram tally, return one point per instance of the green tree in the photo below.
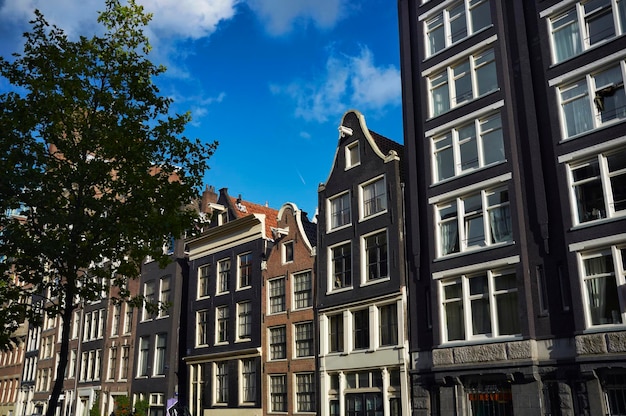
(95, 162)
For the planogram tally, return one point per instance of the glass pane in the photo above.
(436, 34)
(589, 193)
(462, 83)
(475, 231)
(480, 15)
(508, 315)
(576, 109)
(453, 291)
(505, 282)
(444, 158)
(603, 301)
(566, 35)
(458, 24)
(440, 93)
(454, 320)
(468, 147)
(486, 77)
(492, 140)
(481, 319)
(600, 25)
(478, 285)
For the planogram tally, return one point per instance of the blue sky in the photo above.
(268, 79)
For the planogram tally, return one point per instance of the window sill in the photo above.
(238, 341)
(221, 343)
(593, 223)
(342, 289)
(466, 173)
(369, 217)
(239, 289)
(463, 104)
(452, 45)
(222, 293)
(473, 251)
(601, 127)
(480, 341)
(339, 228)
(604, 328)
(375, 281)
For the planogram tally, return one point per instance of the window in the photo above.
(160, 349)
(593, 101)
(375, 247)
(223, 276)
(456, 23)
(144, 350)
(304, 339)
(586, 24)
(71, 371)
(388, 321)
(202, 328)
(468, 147)
(361, 329)
(115, 323)
(468, 79)
(221, 314)
(245, 270)
(599, 186)
(277, 295)
(203, 281)
(128, 320)
(353, 156)
(112, 362)
(288, 252)
(244, 320)
(480, 306)
(124, 363)
(248, 378)
(221, 383)
(335, 323)
(164, 297)
(374, 195)
(278, 343)
(305, 392)
(603, 272)
(340, 211)
(341, 266)
(302, 290)
(278, 393)
(149, 301)
(474, 221)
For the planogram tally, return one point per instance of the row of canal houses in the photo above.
(269, 312)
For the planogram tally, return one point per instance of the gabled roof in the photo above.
(242, 208)
(385, 144)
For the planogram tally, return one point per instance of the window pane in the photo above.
(588, 191)
(474, 225)
(603, 299)
(480, 14)
(449, 234)
(342, 273)
(481, 315)
(468, 147)
(599, 19)
(361, 329)
(436, 34)
(440, 93)
(444, 157)
(617, 172)
(453, 309)
(376, 256)
(566, 35)
(492, 140)
(462, 83)
(374, 198)
(458, 23)
(486, 77)
(576, 109)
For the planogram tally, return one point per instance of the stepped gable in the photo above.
(243, 208)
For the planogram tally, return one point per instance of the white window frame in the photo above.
(604, 185)
(165, 296)
(297, 339)
(248, 320)
(271, 342)
(378, 198)
(349, 155)
(616, 273)
(281, 288)
(284, 251)
(306, 379)
(331, 268)
(465, 219)
(241, 266)
(220, 381)
(281, 383)
(448, 77)
(294, 286)
(365, 277)
(143, 357)
(149, 293)
(581, 35)
(222, 315)
(202, 328)
(465, 298)
(222, 284)
(445, 22)
(247, 377)
(587, 95)
(451, 141)
(346, 206)
(160, 353)
(204, 280)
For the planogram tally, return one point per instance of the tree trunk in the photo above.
(57, 389)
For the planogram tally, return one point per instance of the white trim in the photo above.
(598, 242)
(434, 10)
(507, 261)
(592, 150)
(556, 8)
(465, 118)
(587, 69)
(467, 189)
(466, 53)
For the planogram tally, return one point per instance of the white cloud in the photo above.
(348, 82)
(280, 16)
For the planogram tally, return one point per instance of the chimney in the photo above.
(208, 196)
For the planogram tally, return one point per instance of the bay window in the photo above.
(473, 221)
(599, 186)
(464, 81)
(455, 23)
(603, 272)
(481, 305)
(468, 147)
(593, 101)
(586, 24)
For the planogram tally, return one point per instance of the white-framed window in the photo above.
(340, 266)
(248, 380)
(164, 297)
(353, 155)
(375, 256)
(115, 322)
(304, 339)
(278, 393)
(302, 290)
(593, 101)
(71, 371)
(466, 80)
(373, 197)
(473, 221)
(598, 186)
(361, 329)
(277, 295)
(388, 324)
(149, 294)
(478, 306)
(144, 352)
(468, 147)
(339, 211)
(221, 383)
(278, 342)
(244, 320)
(603, 272)
(335, 333)
(244, 270)
(202, 327)
(204, 273)
(223, 276)
(160, 354)
(221, 324)
(128, 320)
(586, 24)
(305, 393)
(287, 252)
(125, 362)
(455, 23)
(112, 370)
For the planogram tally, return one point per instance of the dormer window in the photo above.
(353, 157)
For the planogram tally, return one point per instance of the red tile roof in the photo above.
(245, 208)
